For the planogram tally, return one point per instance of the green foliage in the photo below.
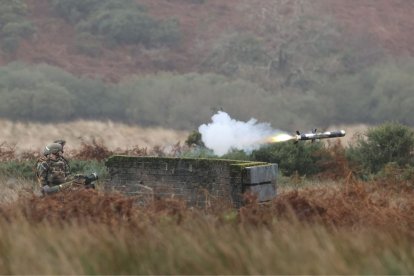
(235, 154)
(378, 94)
(76, 10)
(88, 167)
(165, 33)
(88, 44)
(48, 94)
(119, 22)
(18, 169)
(122, 26)
(125, 26)
(390, 142)
(234, 51)
(13, 24)
(296, 50)
(26, 169)
(395, 176)
(198, 152)
(186, 101)
(292, 158)
(194, 138)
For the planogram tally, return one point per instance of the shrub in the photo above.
(96, 150)
(75, 10)
(88, 44)
(26, 169)
(49, 94)
(389, 142)
(121, 26)
(198, 152)
(292, 158)
(233, 51)
(165, 33)
(18, 169)
(194, 139)
(13, 24)
(186, 101)
(18, 29)
(10, 44)
(377, 94)
(235, 154)
(118, 21)
(87, 167)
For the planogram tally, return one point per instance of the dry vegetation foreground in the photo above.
(348, 227)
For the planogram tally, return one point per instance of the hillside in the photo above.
(174, 63)
(389, 23)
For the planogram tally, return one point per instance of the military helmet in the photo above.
(60, 141)
(52, 148)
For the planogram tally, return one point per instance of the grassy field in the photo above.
(320, 225)
(34, 136)
(343, 227)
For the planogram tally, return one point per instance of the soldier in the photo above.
(53, 172)
(62, 143)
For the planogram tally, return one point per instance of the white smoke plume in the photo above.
(225, 133)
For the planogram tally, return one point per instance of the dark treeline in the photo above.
(113, 23)
(49, 94)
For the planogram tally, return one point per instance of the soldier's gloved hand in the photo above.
(45, 189)
(48, 190)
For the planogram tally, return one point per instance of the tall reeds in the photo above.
(346, 229)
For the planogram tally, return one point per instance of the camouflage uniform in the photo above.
(52, 172)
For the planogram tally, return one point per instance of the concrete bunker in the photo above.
(194, 180)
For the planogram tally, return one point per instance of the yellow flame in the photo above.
(280, 138)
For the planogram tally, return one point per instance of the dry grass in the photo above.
(12, 188)
(200, 247)
(352, 132)
(350, 228)
(30, 137)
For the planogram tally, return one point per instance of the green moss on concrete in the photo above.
(119, 159)
(236, 167)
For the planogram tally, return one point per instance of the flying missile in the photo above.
(318, 135)
(306, 136)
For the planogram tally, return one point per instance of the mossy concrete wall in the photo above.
(194, 180)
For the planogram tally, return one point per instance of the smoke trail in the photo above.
(225, 133)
